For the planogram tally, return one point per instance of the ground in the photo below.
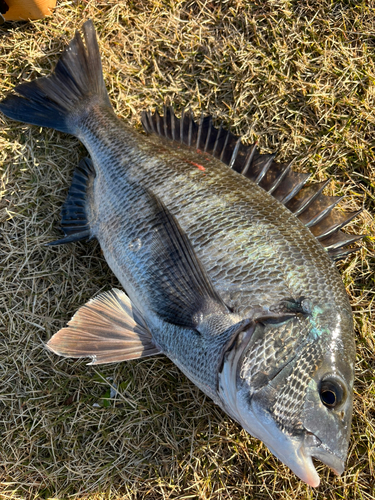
(298, 77)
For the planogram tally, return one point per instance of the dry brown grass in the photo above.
(299, 77)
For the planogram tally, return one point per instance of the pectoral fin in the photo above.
(183, 294)
(109, 329)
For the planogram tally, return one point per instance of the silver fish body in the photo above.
(273, 344)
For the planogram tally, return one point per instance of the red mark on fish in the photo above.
(201, 167)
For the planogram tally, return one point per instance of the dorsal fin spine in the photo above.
(208, 134)
(144, 119)
(298, 186)
(310, 199)
(152, 124)
(337, 227)
(265, 168)
(217, 139)
(225, 145)
(320, 216)
(339, 240)
(249, 160)
(280, 178)
(182, 119)
(235, 152)
(191, 124)
(165, 124)
(341, 253)
(173, 128)
(158, 124)
(199, 131)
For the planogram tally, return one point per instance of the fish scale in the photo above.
(225, 256)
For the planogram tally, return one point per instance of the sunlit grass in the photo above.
(299, 77)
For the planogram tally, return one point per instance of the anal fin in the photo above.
(109, 329)
(74, 220)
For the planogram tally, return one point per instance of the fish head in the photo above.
(290, 384)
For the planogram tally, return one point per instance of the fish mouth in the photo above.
(336, 464)
(297, 452)
(299, 459)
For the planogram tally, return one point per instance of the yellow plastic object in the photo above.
(21, 10)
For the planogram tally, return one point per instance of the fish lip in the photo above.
(297, 454)
(321, 453)
(328, 458)
(301, 463)
(315, 448)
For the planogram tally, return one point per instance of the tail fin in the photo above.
(52, 101)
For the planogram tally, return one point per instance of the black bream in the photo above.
(225, 257)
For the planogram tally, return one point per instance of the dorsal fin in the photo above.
(308, 203)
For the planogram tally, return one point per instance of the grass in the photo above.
(299, 77)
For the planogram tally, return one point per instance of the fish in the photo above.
(226, 258)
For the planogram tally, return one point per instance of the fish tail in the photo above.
(59, 100)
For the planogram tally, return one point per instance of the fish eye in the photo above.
(331, 393)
